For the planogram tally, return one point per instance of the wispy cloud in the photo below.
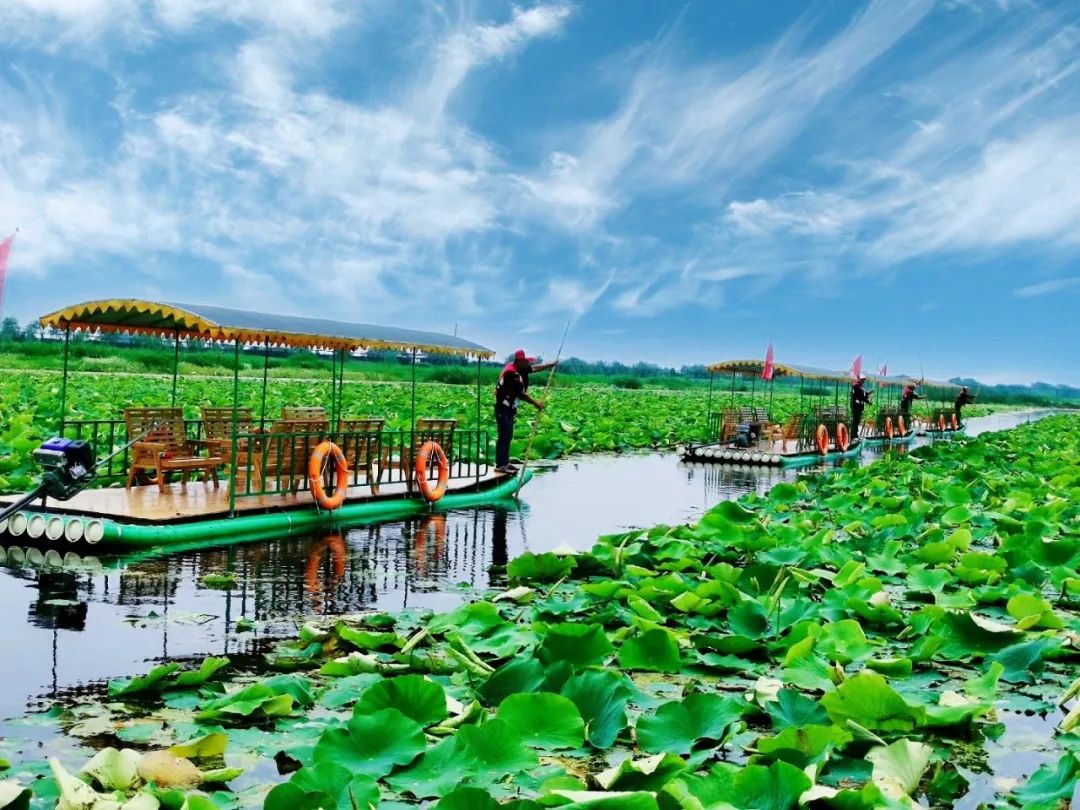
(1047, 287)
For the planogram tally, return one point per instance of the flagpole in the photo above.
(5, 255)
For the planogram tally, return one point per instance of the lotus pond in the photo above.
(581, 419)
(903, 632)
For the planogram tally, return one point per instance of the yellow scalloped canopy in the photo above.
(221, 324)
(755, 367)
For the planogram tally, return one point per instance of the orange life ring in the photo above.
(821, 438)
(941, 422)
(888, 427)
(423, 458)
(316, 468)
(900, 424)
(843, 440)
(955, 422)
(316, 588)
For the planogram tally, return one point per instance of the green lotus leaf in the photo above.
(1022, 662)
(1051, 786)
(898, 768)
(647, 773)
(792, 709)
(578, 644)
(523, 675)
(414, 696)
(209, 667)
(546, 567)
(749, 619)
(543, 720)
(325, 786)
(372, 744)
(680, 726)
(114, 770)
(654, 650)
(142, 683)
(1031, 611)
(777, 787)
(367, 640)
(255, 702)
(803, 745)
(868, 700)
(601, 697)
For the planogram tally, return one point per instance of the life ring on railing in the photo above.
(888, 427)
(821, 439)
(941, 422)
(955, 422)
(423, 459)
(843, 440)
(900, 424)
(316, 468)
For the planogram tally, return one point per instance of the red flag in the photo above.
(856, 368)
(5, 253)
(767, 369)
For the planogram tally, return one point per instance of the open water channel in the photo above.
(67, 629)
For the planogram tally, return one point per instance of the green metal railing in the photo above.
(275, 463)
(379, 457)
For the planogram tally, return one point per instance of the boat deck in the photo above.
(197, 501)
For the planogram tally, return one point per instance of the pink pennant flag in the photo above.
(5, 254)
(884, 372)
(856, 367)
(767, 369)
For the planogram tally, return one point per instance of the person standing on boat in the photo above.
(908, 397)
(860, 398)
(512, 387)
(962, 399)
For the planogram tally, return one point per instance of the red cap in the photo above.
(520, 355)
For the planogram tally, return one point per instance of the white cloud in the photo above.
(1047, 287)
(693, 126)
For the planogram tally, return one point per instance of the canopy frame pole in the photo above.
(341, 386)
(772, 384)
(481, 454)
(412, 407)
(266, 375)
(64, 378)
(708, 407)
(733, 388)
(175, 365)
(333, 385)
(235, 426)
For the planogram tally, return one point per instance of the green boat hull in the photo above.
(881, 441)
(117, 535)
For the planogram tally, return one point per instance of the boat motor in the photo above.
(68, 465)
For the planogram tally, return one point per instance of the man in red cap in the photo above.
(512, 387)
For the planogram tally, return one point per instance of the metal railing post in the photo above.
(64, 379)
(175, 366)
(235, 424)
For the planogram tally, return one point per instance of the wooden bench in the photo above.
(362, 443)
(163, 446)
(287, 448)
(316, 414)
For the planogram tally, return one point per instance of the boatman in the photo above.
(860, 398)
(962, 399)
(512, 387)
(907, 398)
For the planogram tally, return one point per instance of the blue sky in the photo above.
(690, 180)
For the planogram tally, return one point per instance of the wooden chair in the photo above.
(362, 443)
(286, 450)
(437, 430)
(315, 414)
(164, 446)
(217, 435)
(790, 430)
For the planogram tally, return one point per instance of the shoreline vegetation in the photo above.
(874, 637)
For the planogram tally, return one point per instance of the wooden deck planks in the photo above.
(197, 500)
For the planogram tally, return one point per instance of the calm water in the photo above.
(92, 620)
